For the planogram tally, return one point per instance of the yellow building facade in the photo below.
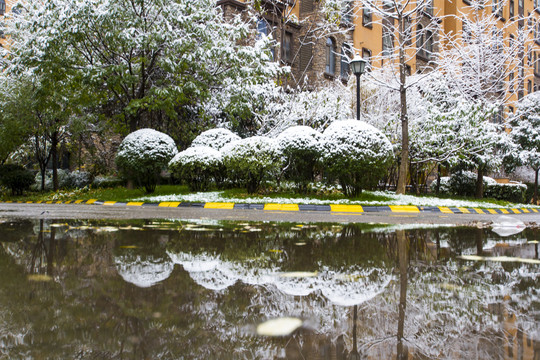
(314, 52)
(5, 10)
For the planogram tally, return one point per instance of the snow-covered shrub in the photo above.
(356, 154)
(215, 138)
(107, 181)
(64, 180)
(301, 149)
(514, 192)
(198, 166)
(79, 179)
(444, 186)
(251, 161)
(464, 183)
(143, 154)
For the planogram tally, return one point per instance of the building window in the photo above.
(466, 33)
(511, 110)
(511, 82)
(529, 86)
(306, 6)
(287, 48)
(497, 8)
(511, 7)
(347, 13)
(346, 55)
(330, 56)
(429, 7)
(387, 43)
(263, 28)
(366, 17)
(2, 7)
(366, 55)
(520, 8)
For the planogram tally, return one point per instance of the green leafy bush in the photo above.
(509, 192)
(143, 154)
(301, 149)
(355, 154)
(198, 166)
(251, 161)
(16, 178)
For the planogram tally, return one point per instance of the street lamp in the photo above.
(358, 66)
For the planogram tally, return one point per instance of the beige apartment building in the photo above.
(5, 10)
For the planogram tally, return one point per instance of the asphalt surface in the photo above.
(83, 211)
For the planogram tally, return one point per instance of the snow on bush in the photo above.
(215, 138)
(444, 185)
(64, 180)
(251, 161)
(198, 166)
(356, 154)
(143, 154)
(514, 192)
(79, 179)
(301, 149)
(464, 183)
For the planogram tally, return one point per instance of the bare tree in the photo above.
(409, 36)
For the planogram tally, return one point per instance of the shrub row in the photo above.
(352, 153)
(464, 184)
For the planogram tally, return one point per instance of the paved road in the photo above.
(72, 211)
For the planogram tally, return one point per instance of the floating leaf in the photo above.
(298, 274)
(58, 225)
(279, 327)
(39, 277)
(533, 242)
(128, 247)
(300, 243)
(276, 251)
(107, 229)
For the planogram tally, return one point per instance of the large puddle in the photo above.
(209, 290)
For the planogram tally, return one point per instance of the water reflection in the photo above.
(177, 290)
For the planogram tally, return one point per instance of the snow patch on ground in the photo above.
(217, 196)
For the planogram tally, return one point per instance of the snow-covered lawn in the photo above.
(217, 196)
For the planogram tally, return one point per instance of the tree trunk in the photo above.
(535, 196)
(480, 183)
(404, 166)
(438, 188)
(54, 154)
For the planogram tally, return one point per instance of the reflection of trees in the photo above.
(443, 309)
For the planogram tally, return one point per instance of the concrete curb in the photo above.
(335, 208)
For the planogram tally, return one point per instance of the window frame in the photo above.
(330, 67)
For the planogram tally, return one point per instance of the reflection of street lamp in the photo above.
(358, 65)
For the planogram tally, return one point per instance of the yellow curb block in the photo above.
(504, 211)
(479, 211)
(78, 201)
(214, 205)
(91, 201)
(525, 211)
(169, 204)
(109, 203)
(445, 210)
(534, 210)
(282, 207)
(491, 211)
(464, 210)
(516, 211)
(134, 203)
(347, 208)
(404, 208)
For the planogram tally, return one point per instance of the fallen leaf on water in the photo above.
(499, 259)
(276, 251)
(533, 242)
(279, 327)
(59, 225)
(128, 247)
(300, 244)
(39, 277)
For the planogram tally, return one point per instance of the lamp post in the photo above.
(358, 66)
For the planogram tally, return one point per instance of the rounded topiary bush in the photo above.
(251, 161)
(198, 166)
(301, 149)
(355, 154)
(215, 138)
(16, 178)
(143, 154)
